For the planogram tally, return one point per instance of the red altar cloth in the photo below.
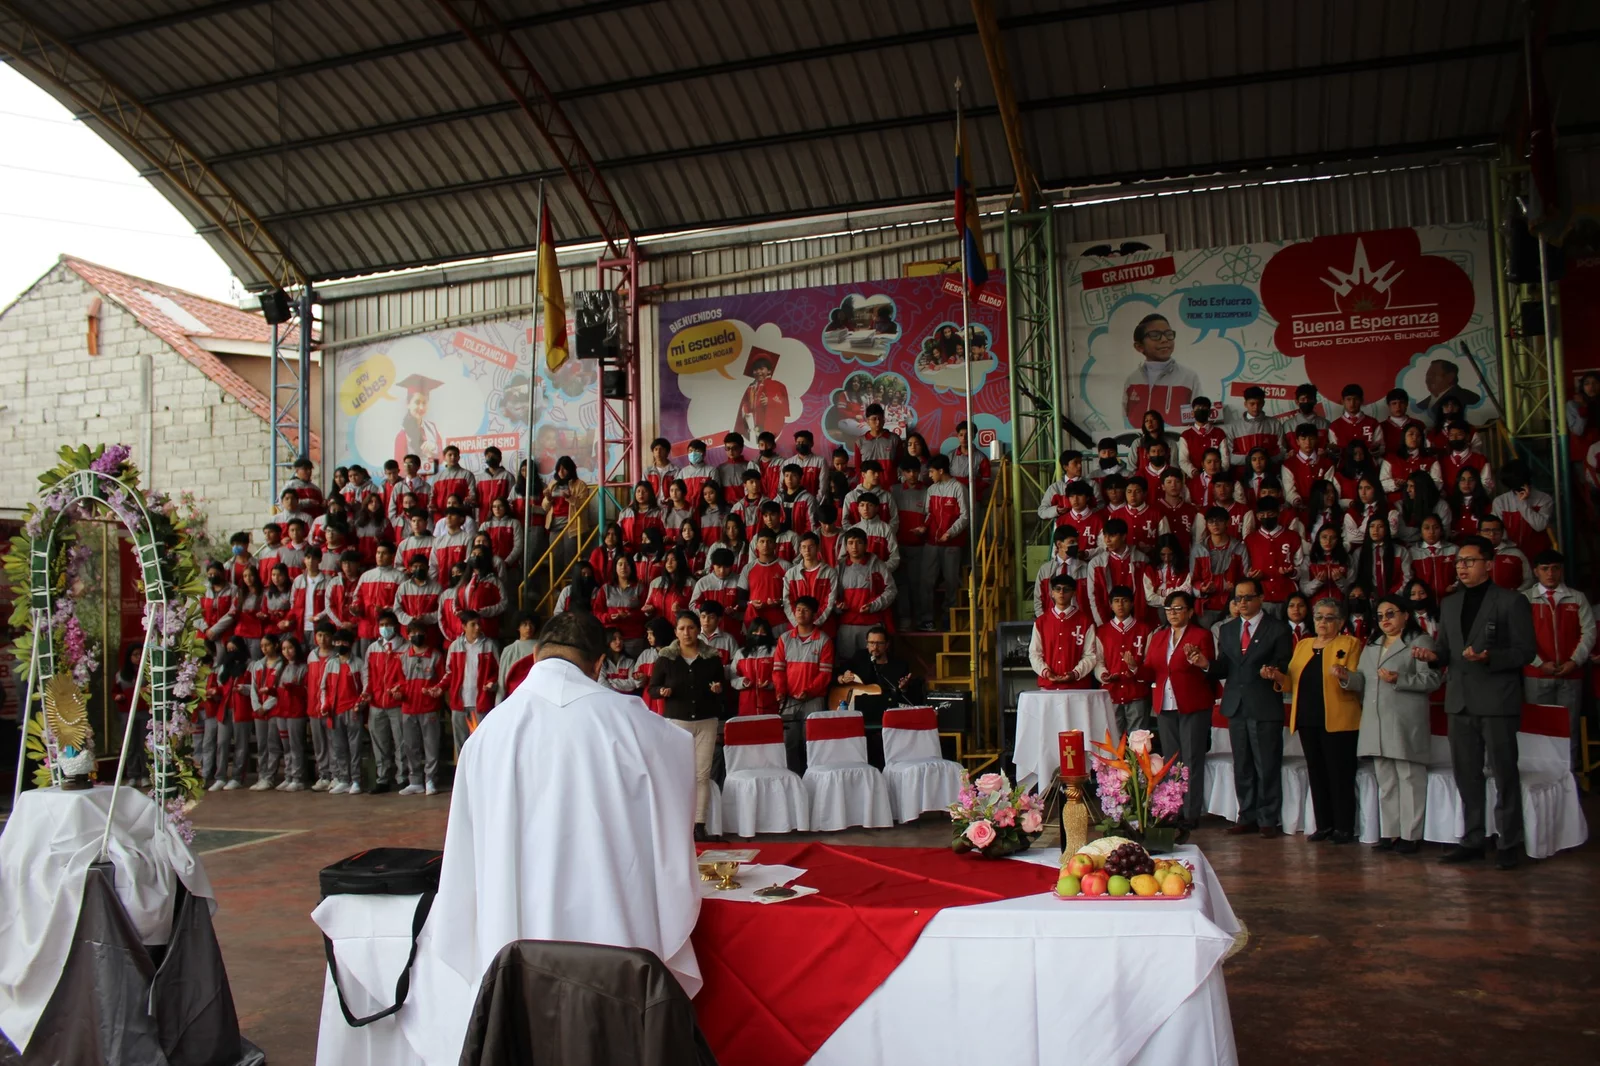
(780, 978)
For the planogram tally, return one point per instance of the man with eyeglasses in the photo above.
(1486, 637)
(1252, 650)
(1161, 383)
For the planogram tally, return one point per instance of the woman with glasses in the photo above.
(1395, 688)
(1182, 696)
(1327, 717)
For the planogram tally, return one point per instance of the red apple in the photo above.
(1080, 864)
(1094, 883)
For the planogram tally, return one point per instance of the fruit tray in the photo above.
(1106, 897)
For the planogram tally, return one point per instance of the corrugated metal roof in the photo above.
(370, 135)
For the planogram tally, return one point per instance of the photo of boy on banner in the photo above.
(765, 406)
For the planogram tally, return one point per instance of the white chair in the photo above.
(1443, 820)
(1297, 813)
(760, 793)
(1221, 798)
(1552, 819)
(845, 789)
(918, 776)
(1367, 813)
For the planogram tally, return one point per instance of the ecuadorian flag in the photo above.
(968, 226)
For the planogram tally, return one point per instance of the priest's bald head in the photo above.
(576, 636)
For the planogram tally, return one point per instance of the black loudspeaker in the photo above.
(954, 707)
(614, 384)
(597, 323)
(1532, 318)
(275, 307)
(1522, 254)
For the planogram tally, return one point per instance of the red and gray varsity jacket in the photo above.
(488, 656)
(420, 669)
(384, 674)
(375, 593)
(821, 583)
(450, 481)
(866, 592)
(763, 584)
(1123, 684)
(802, 666)
(490, 486)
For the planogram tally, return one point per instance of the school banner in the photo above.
(1407, 308)
(466, 386)
(816, 358)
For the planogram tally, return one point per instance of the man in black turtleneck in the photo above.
(1485, 639)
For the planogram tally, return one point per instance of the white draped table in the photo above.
(1042, 716)
(1114, 983)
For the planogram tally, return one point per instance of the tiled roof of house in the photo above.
(177, 317)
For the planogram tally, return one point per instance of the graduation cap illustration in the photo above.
(760, 357)
(419, 383)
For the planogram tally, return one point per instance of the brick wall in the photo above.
(54, 392)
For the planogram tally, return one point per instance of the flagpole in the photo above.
(972, 436)
(533, 390)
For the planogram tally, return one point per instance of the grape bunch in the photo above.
(1129, 860)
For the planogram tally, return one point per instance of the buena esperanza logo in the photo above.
(1357, 307)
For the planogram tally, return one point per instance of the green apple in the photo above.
(1068, 886)
(1118, 886)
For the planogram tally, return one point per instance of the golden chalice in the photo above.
(726, 870)
(708, 871)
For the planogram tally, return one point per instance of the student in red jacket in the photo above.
(342, 704)
(1274, 555)
(802, 670)
(1564, 636)
(1063, 649)
(421, 697)
(471, 672)
(866, 593)
(1182, 695)
(227, 718)
(384, 693)
(762, 582)
(1122, 671)
(946, 537)
(752, 669)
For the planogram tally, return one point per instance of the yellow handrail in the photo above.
(584, 533)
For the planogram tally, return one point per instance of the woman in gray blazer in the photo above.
(1395, 688)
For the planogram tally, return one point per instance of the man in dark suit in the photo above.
(1485, 639)
(1249, 649)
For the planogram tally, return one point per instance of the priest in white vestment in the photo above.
(572, 819)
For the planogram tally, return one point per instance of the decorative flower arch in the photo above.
(39, 566)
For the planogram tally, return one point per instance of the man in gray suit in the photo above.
(1485, 639)
(1249, 648)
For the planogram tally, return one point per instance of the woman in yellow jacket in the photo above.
(1328, 719)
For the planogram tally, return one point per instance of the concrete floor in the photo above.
(1352, 955)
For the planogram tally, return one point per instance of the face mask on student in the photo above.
(387, 632)
(1267, 521)
(419, 640)
(697, 457)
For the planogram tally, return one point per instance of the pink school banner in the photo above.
(815, 358)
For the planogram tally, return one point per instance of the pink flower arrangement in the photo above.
(992, 818)
(1136, 786)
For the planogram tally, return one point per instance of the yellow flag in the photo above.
(555, 305)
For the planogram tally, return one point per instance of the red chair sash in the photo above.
(1545, 720)
(1217, 719)
(738, 731)
(835, 728)
(911, 718)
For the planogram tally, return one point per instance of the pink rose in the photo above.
(1005, 816)
(981, 833)
(1155, 764)
(1032, 821)
(1139, 741)
(991, 783)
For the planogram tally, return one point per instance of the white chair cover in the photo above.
(1552, 818)
(1367, 816)
(760, 793)
(918, 776)
(845, 789)
(1297, 815)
